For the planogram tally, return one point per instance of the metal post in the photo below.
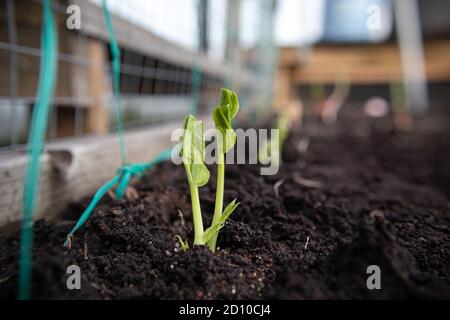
(203, 25)
(232, 50)
(266, 55)
(412, 54)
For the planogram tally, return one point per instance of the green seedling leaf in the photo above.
(200, 174)
(229, 209)
(211, 231)
(214, 229)
(184, 244)
(223, 115)
(270, 151)
(283, 128)
(193, 150)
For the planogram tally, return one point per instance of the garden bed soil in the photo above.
(383, 199)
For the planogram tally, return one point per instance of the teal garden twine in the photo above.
(115, 53)
(47, 74)
(126, 171)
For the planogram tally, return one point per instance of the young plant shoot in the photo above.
(193, 154)
(272, 149)
(223, 116)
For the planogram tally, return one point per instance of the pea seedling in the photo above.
(274, 148)
(223, 115)
(193, 155)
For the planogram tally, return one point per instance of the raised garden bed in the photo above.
(378, 197)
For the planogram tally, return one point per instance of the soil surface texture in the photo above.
(347, 196)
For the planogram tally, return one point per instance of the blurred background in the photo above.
(177, 54)
(271, 51)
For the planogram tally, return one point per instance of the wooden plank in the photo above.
(73, 169)
(368, 64)
(282, 92)
(97, 114)
(291, 57)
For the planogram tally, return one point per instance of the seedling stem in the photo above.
(218, 208)
(196, 210)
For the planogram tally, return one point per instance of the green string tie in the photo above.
(126, 171)
(36, 140)
(122, 178)
(115, 54)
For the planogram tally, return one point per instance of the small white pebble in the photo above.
(306, 244)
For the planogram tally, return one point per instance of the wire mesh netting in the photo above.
(159, 78)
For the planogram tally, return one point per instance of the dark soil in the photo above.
(383, 200)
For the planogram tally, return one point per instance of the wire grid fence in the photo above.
(154, 91)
